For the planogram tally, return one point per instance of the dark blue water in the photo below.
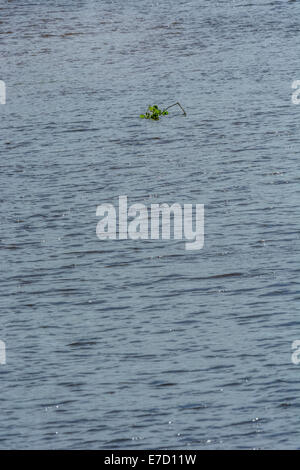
(142, 344)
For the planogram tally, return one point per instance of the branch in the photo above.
(175, 105)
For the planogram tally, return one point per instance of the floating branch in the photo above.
(178, 104)
(154, 113)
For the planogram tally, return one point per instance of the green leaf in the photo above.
(154, 113)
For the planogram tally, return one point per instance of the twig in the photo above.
(175, 105)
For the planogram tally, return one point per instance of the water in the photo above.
(142, 344)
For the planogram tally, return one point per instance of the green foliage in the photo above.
(154, 113)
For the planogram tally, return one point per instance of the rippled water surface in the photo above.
(142, 344)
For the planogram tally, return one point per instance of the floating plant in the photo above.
(154, 113)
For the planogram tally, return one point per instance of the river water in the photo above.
(142, 344)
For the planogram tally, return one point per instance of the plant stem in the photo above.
(175, 105)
